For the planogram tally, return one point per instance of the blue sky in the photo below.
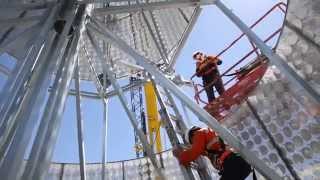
(212, 32)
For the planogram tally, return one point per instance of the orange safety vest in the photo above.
(206, 142)
(207, 66)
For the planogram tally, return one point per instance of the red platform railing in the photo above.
(200, 88)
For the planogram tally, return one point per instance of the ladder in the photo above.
(166, 102)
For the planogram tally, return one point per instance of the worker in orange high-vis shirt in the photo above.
(206, 67)
(206, 142)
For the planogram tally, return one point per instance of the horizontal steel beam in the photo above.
(151, 6)
(19, 21)
(110, 94)
(26, 6)
(103, 1)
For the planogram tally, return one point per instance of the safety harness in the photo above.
(217, 157)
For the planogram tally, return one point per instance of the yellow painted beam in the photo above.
(153, 116)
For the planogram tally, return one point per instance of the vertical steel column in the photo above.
(55, 117)
(125, 104)
(23, 70)
(80, 124)
(26, 119)
(52, 107)
(186, 171)
(9, 128)
(292, 76)
(137, 108)
(201, 113)
(104, 137)
(123, 171)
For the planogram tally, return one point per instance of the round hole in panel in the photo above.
(315, 146)
(298, 141)
(280, 122)
(315, 128)
(250, 144)
(306, 135)
(297, 158)
(287, 131)
(263, 149)
(252, 130)
(263, 135)
(273, 128)
(307, 153)
(257, 139)
(266, 118)
(294, 124)
(279, 138)
(273, 157)
(245, 135)
(289, 146)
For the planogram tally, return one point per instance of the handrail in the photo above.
(197, 96)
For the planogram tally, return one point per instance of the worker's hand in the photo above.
(177, 151)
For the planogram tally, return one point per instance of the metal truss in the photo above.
(26, 6)
(202, 114)
(132, 118)
(136, 97)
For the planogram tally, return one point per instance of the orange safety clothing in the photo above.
(205, 142)
(207, 66)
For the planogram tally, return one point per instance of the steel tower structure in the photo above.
(55, 42)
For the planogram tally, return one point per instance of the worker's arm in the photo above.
(202, 68)
(199, 69)
(196, 149)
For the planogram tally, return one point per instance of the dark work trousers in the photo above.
(218, 84)
(235, 168)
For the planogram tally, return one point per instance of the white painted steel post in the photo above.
(203, 115)
(275, 59)
(104, 137)
(23, 70)
(44, 127)
(81, 144)
(42, 75)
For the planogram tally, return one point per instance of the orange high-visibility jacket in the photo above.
(206, 66)
(200, 140)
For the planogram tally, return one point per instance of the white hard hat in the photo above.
(188, 133)
(196, 53)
